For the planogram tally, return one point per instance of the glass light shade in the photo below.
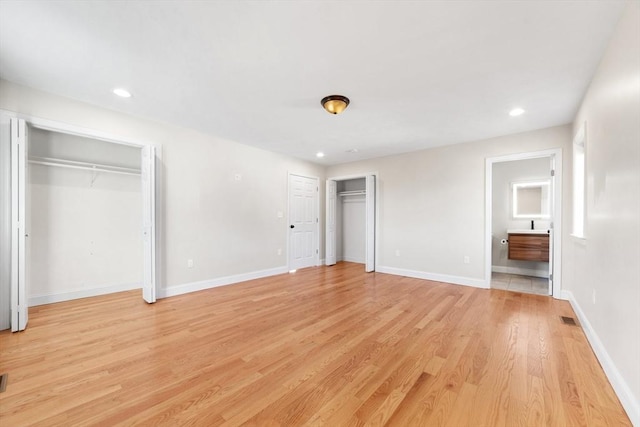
(335, 104)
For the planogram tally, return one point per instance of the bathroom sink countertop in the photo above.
(526, 231)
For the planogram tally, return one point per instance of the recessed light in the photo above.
(516, 112)
(320, 154)
(122, 92)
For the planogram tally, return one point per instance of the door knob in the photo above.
(292, 226)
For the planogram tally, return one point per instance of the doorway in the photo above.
(523, 222)
(61, 138)
(304, 222)
(351, 220)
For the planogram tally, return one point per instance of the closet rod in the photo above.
(352, 193)
(72, 164)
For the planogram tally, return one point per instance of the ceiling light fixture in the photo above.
(123, 93)
(320, 154)
(516, 112)
(334, 104)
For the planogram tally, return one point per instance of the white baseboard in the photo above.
(220, 281)
(456, 280)
(620, 386)
(352, 259)
(81, 293)
(521, 271)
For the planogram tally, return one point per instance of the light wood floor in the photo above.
(324, 346)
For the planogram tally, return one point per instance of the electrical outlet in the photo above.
(397, 252)
(466, 259)
(189, 263)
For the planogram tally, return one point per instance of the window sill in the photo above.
(581, 240)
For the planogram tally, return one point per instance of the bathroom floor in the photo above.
(517, 283)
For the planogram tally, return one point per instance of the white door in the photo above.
(330, 239)
(19, 150)
(303, 222)
(552, 191)
(148, 172)
(370, 207)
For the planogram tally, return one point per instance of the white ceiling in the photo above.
(419, 74)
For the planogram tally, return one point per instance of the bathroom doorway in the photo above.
(523, 221)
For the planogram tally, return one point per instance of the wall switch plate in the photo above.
(466, 259)
(279, 251)
(397, 252)
(280, 214)
(189, 263)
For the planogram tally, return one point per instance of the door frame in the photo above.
(376, 228)
(61, 127)
(554, 155)
(317, 227)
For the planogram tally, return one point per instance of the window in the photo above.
(579, 181)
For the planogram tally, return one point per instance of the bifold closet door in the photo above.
(330, 240)
(370, 207)
(148, 172)
(19, 150)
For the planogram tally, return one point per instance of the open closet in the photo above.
(84, 226)
(350, 228)
(82, 215)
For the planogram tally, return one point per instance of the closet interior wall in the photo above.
(85, 223)
(351, 221)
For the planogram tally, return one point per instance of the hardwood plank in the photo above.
(325, 346)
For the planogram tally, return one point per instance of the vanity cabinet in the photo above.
(529, 247)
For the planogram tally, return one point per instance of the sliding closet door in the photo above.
(148, 169)
(19, 305)
(370, 207)
(330, 241)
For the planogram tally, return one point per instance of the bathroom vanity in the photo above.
(529, 245)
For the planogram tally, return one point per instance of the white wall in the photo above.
(228, 227)
(504, 174)
(351, 222)
(431, 203)
(603, 272)
(353, 229)
(44, 143)
(84, 230)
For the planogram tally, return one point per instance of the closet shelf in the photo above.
(95, 167)
(352, 193)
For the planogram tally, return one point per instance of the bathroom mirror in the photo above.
(531, 199)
